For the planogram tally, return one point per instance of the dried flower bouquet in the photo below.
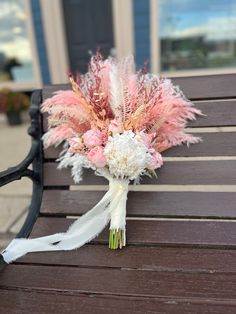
(117, 122)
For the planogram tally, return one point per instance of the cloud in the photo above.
(186, 18)
(215, 29)
(13, 31)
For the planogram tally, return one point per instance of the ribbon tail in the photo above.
(83, 230)
(80, 232)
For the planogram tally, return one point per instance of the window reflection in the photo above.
(197, 34)
(15, 53)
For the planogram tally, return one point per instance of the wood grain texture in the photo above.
(168, 259)
(168, 266)
(160, 232)
(145, 204)
(24, 301)
(174, 172)
(196, 87)
(217, 113)
(125, 282)
(207, 87)
(213, 144)
(48, 90)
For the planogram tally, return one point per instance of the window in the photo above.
(195, 35)
(16, 56)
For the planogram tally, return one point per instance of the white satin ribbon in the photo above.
(111, 207)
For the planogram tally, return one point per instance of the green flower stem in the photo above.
(116, 239)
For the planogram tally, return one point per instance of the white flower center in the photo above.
(126, 155)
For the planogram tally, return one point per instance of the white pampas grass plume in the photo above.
(77, 162)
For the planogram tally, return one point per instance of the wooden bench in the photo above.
(181, 230)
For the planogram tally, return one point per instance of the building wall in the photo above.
(40, 41)
(141, 33)
(136, 30)
(141, 13)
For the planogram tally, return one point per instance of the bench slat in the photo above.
(74, 280)
(174, 172)
(164, 232)
(214, 144)
(196, 87)
(218, 113)
(25, 302)
(152, 204)
(140, 257)
(206, 87)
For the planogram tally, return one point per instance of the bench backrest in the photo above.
(195, 184)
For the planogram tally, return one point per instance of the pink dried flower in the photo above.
(105, 135)
(76, 145)
(92, 138)
(156, 161)
(96, 156)
(113, 98)
(147, 138)
(115, 127)
(57, 135)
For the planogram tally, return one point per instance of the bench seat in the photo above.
(181, 227)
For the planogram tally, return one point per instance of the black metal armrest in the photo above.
(34, 157)
(21, 170)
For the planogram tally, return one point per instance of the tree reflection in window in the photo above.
(197, 34)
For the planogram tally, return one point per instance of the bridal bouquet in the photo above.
(117, 122)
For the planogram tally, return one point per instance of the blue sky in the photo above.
(183, 14)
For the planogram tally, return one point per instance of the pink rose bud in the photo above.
(147, 138)
(115, 127)
(96, 157)
(92, 138)
(156, 161)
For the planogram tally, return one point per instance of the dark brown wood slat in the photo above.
(207, 87)
(45, 122)
(55, 177)
(47, 302)
(168, 259)
(154, 204)
(218, 113)
(195, 287)
(195, 87)
(213, 144)
(48, 90)
(174, 172)
(141, 283)
(162, 232)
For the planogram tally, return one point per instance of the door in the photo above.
(88, 26)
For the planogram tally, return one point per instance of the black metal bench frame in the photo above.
(33, 158)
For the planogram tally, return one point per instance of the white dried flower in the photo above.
(127, 155)
(77, 162)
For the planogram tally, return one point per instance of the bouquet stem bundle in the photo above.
(116, 239)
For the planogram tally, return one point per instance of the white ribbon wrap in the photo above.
(111, 207)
